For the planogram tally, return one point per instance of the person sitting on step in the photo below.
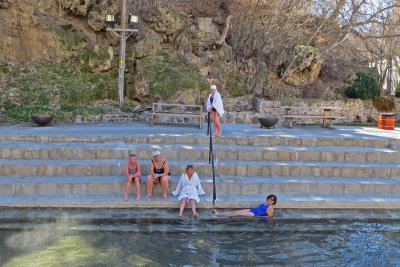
(159, 172)
(189, 188)
(266, 209)
(132, 173)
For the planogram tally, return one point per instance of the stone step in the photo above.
(121, 150)
(395, 146)
(277, 140)
(64, 185)
(105, 167)
(298, 201)
(29, 217)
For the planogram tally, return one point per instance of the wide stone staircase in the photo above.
(67, 171)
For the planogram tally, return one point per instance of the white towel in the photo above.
(217, 103)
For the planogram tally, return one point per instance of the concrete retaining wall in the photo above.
(356, 110)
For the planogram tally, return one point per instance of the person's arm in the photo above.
(270, 211)
(127, 170)
(151, 171)
(166, 169)
(198, 184)
(179, 186)
(208, 104)
(138, 172)
(218, 99)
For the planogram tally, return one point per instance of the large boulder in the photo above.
(6, 3)
(76, 7)
(196, 43)
(165, 21)
(26, 36)
(97, 13)
(301, 65)
(149, 45)
(101, 59)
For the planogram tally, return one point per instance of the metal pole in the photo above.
(208, 123)
(213, 173)
(122, 56)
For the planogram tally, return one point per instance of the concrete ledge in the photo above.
(65, 185)
(223, 201)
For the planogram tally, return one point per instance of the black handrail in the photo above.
(211, 158)
(209, 123)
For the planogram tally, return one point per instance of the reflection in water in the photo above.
(208, 242)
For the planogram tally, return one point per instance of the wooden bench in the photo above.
(177, 110)
(327, 115)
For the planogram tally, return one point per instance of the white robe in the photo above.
(189, 188)
(217, 103)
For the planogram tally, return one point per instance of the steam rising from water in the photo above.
(42, 234)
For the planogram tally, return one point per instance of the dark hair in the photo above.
(273, 197)
(190, 166)
(132, 155)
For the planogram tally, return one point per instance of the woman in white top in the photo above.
(189, 188)
(216, 107)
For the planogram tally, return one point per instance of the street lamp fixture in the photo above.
(110, 19)
(133, 20)
(123, 34)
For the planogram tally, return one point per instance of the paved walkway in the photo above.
(190, 130)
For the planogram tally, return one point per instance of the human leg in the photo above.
(164, 183)
(127, 187)
(213, 116)
(217, 124)
(193, 205)
(245, 212)
(137, 183)
(183, 203)
(150, 182)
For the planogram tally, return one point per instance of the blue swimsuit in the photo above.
(260, 211)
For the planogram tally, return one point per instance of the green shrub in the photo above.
(384, 103)
(4, 69)
(287, 102)
(365, 86)
(397, 91)
(23, 113)
(235, 85)
(167, 75)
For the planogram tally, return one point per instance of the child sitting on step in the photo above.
(189, 188)
(266, 209)
(132, 173)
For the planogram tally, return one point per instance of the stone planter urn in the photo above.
(42, 119)
(268, 122)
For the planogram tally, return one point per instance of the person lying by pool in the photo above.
(189, 188)
(266, 209)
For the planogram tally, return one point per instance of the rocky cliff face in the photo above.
(74, 32)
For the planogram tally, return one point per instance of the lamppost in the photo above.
(123, 34)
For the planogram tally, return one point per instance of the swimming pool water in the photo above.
(116, 239)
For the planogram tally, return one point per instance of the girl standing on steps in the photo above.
(216, 108)
(189, 188)
(132, 173)
(266, 209)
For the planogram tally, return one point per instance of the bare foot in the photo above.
(164, 195)
(195, 214)
(215, 212)
(148, 195)
(180, 214)
(138, 197)
(125, 198)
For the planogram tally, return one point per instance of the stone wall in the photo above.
(355, 110)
